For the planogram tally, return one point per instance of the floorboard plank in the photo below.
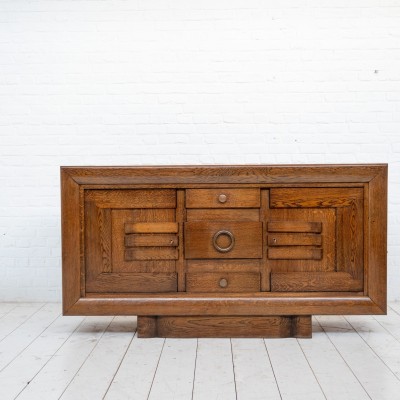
(214, 375)
(395, 306)
(175, 372)
(27, 332)
(333, 374)
(136, 373)
(254, 376)
(52, 380)
(294, 376)
(95, 375)
(391, 322)
(384, 345)
(377, 379)
(6, 308)
(17, 375)
(17, 317)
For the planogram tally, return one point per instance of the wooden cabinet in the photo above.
(214, 251)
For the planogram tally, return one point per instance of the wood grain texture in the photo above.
(225, 174)
(377, 244)
(148, 240)
(231, 214)
(151, 253)
(225, 326)
(71, 240)
(301, 326)
(350, 239)
(241, 265)
(314, 197)
(294, 239)
(233, 198)
(122, 217)
(294, 226)
(199, 239)
(210, 282)
(138, 282)
(294, 253)
(314, 281)
(311, 194)
(146, 327)
(265, 264)
(325, 219)
(234, 304)
(151, 227)
(143, 198)
(180, 217)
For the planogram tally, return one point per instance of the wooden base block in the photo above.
(226, 326)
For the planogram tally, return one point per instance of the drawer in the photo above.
(223, 282)
(222, 198)
(223, 239)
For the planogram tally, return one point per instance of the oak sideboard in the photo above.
(225, 250)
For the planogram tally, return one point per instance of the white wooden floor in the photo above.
(46, 356)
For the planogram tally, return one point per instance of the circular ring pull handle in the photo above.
(223, 249)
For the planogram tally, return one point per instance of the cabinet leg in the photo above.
(147, 327)
(301, 326)
(224, 326)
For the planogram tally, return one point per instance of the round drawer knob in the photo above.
(222, 198)
(223, 283)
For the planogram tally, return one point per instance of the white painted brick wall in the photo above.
(184, 82)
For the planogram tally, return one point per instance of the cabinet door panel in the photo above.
(319, 257)
(130, 249)
(315, 239)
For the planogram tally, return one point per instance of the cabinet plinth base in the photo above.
(225, 326)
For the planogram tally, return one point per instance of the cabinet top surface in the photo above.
(301, 173)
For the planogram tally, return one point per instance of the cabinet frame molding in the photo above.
(371, 177)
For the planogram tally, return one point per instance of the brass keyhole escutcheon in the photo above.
(223, 283)
(222, 198)
(229, 247)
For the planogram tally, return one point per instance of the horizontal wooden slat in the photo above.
(133, 283)
(314, 281)
(294, 226)
(294, 253)
(151, 253)
(146, 240)
(151, 227)
(241, 214)
(213, 265)
(314, 197)
(214, 304)
(294, 239)
(210, 282)
(132, 198)
(223, 174)
(234, 198)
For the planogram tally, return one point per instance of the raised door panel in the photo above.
(131, 239)
(223, 239)
(315, 239)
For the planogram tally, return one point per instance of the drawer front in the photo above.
(223, 239)
(222, 198)
(223, 282)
